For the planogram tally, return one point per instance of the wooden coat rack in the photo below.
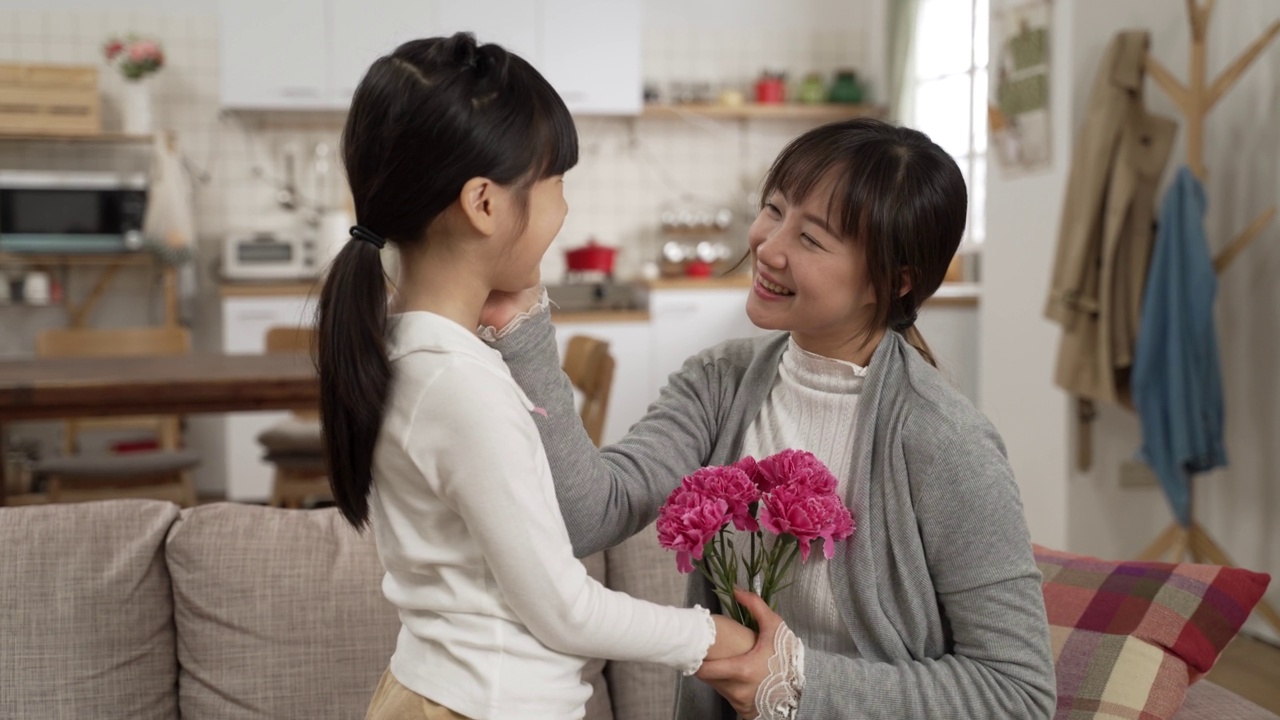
(1195, 100)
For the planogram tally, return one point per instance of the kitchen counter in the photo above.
(737, 280)
(597, 316)
(273, 288)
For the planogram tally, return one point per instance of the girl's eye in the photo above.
(772, 209)
(810, 241)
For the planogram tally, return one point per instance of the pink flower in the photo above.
(798, 511)
(748, 465)
(112, 49)
(733, 486)
(791, 467)
(144, 50)
(688, 521)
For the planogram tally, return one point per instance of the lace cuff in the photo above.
(709, 637)
(490, 334)
(778, 697)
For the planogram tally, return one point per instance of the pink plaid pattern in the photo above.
(1130, 637)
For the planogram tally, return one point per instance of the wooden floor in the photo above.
(1250, 668)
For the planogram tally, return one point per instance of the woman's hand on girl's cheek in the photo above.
(501, 307)
(738, 678)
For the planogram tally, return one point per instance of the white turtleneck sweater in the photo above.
(811, 407)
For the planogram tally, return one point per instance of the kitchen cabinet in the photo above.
(274, 54)
(363, 33)
(687, 321)
(307, 55)
(590, 53)
(629, 344)
(245, 322)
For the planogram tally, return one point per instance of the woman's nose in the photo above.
(770, 251)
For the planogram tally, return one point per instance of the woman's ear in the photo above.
(478, 204)
(905, 281)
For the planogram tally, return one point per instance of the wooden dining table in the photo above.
(62, 388)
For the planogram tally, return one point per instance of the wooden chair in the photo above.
(162, 474)
(589, 366)
(294, 445)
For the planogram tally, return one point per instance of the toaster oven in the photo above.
(268, 256)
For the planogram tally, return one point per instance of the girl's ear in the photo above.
(478, 204)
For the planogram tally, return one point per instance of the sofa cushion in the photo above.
(87, 620)
(640, 567)
(279, 613)
(1129, 637)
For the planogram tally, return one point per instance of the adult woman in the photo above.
(934, 607)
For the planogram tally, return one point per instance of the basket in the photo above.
(49, 100)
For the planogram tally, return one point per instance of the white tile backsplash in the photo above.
(630, 169)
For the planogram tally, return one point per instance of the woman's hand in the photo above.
(500, 307)
(738, 678)
(732, 639)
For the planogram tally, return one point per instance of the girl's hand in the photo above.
(732, 639)
(500, 307)
(738, 678)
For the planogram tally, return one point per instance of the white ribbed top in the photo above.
(811, 407)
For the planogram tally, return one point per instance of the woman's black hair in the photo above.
(897, 193)
(425, 119)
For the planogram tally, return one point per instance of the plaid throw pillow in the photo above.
(1130, 637)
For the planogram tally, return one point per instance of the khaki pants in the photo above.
(393, 701)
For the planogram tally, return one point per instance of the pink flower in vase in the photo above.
(144, 50)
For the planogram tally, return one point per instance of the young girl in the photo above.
(455, 152)
(933, 608)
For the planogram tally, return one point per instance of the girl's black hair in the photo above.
(425, 119)
(897, 193)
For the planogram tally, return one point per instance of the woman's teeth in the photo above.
(775, 289)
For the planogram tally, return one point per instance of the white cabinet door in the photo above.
(513, 24)
(591, 54)
(685, 322)
(245, 322)
(274, 54)
(363, 32)
(629, 344)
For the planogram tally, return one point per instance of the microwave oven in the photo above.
(71, 212)
(268, 256)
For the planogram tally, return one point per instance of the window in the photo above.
(949, 102)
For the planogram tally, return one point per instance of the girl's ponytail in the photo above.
(355, 373)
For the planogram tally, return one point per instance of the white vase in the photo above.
(135, 107)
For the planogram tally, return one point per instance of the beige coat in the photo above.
(1108, 227)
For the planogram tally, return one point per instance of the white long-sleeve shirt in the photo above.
(497, 615)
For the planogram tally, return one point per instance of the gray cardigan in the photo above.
(938, 586)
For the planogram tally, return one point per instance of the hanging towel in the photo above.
(1177, 382)
(169, 224)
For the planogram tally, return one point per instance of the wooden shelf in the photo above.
(76, 259)
(111, 138)
(789, 111)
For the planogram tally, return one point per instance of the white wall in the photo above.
(1089, 511)
(1017, 344)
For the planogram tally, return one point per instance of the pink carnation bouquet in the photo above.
(781, 503)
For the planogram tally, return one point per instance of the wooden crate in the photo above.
(49, 100)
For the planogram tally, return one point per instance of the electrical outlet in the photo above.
(1134, 473)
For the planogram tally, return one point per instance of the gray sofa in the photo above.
(134, 609)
